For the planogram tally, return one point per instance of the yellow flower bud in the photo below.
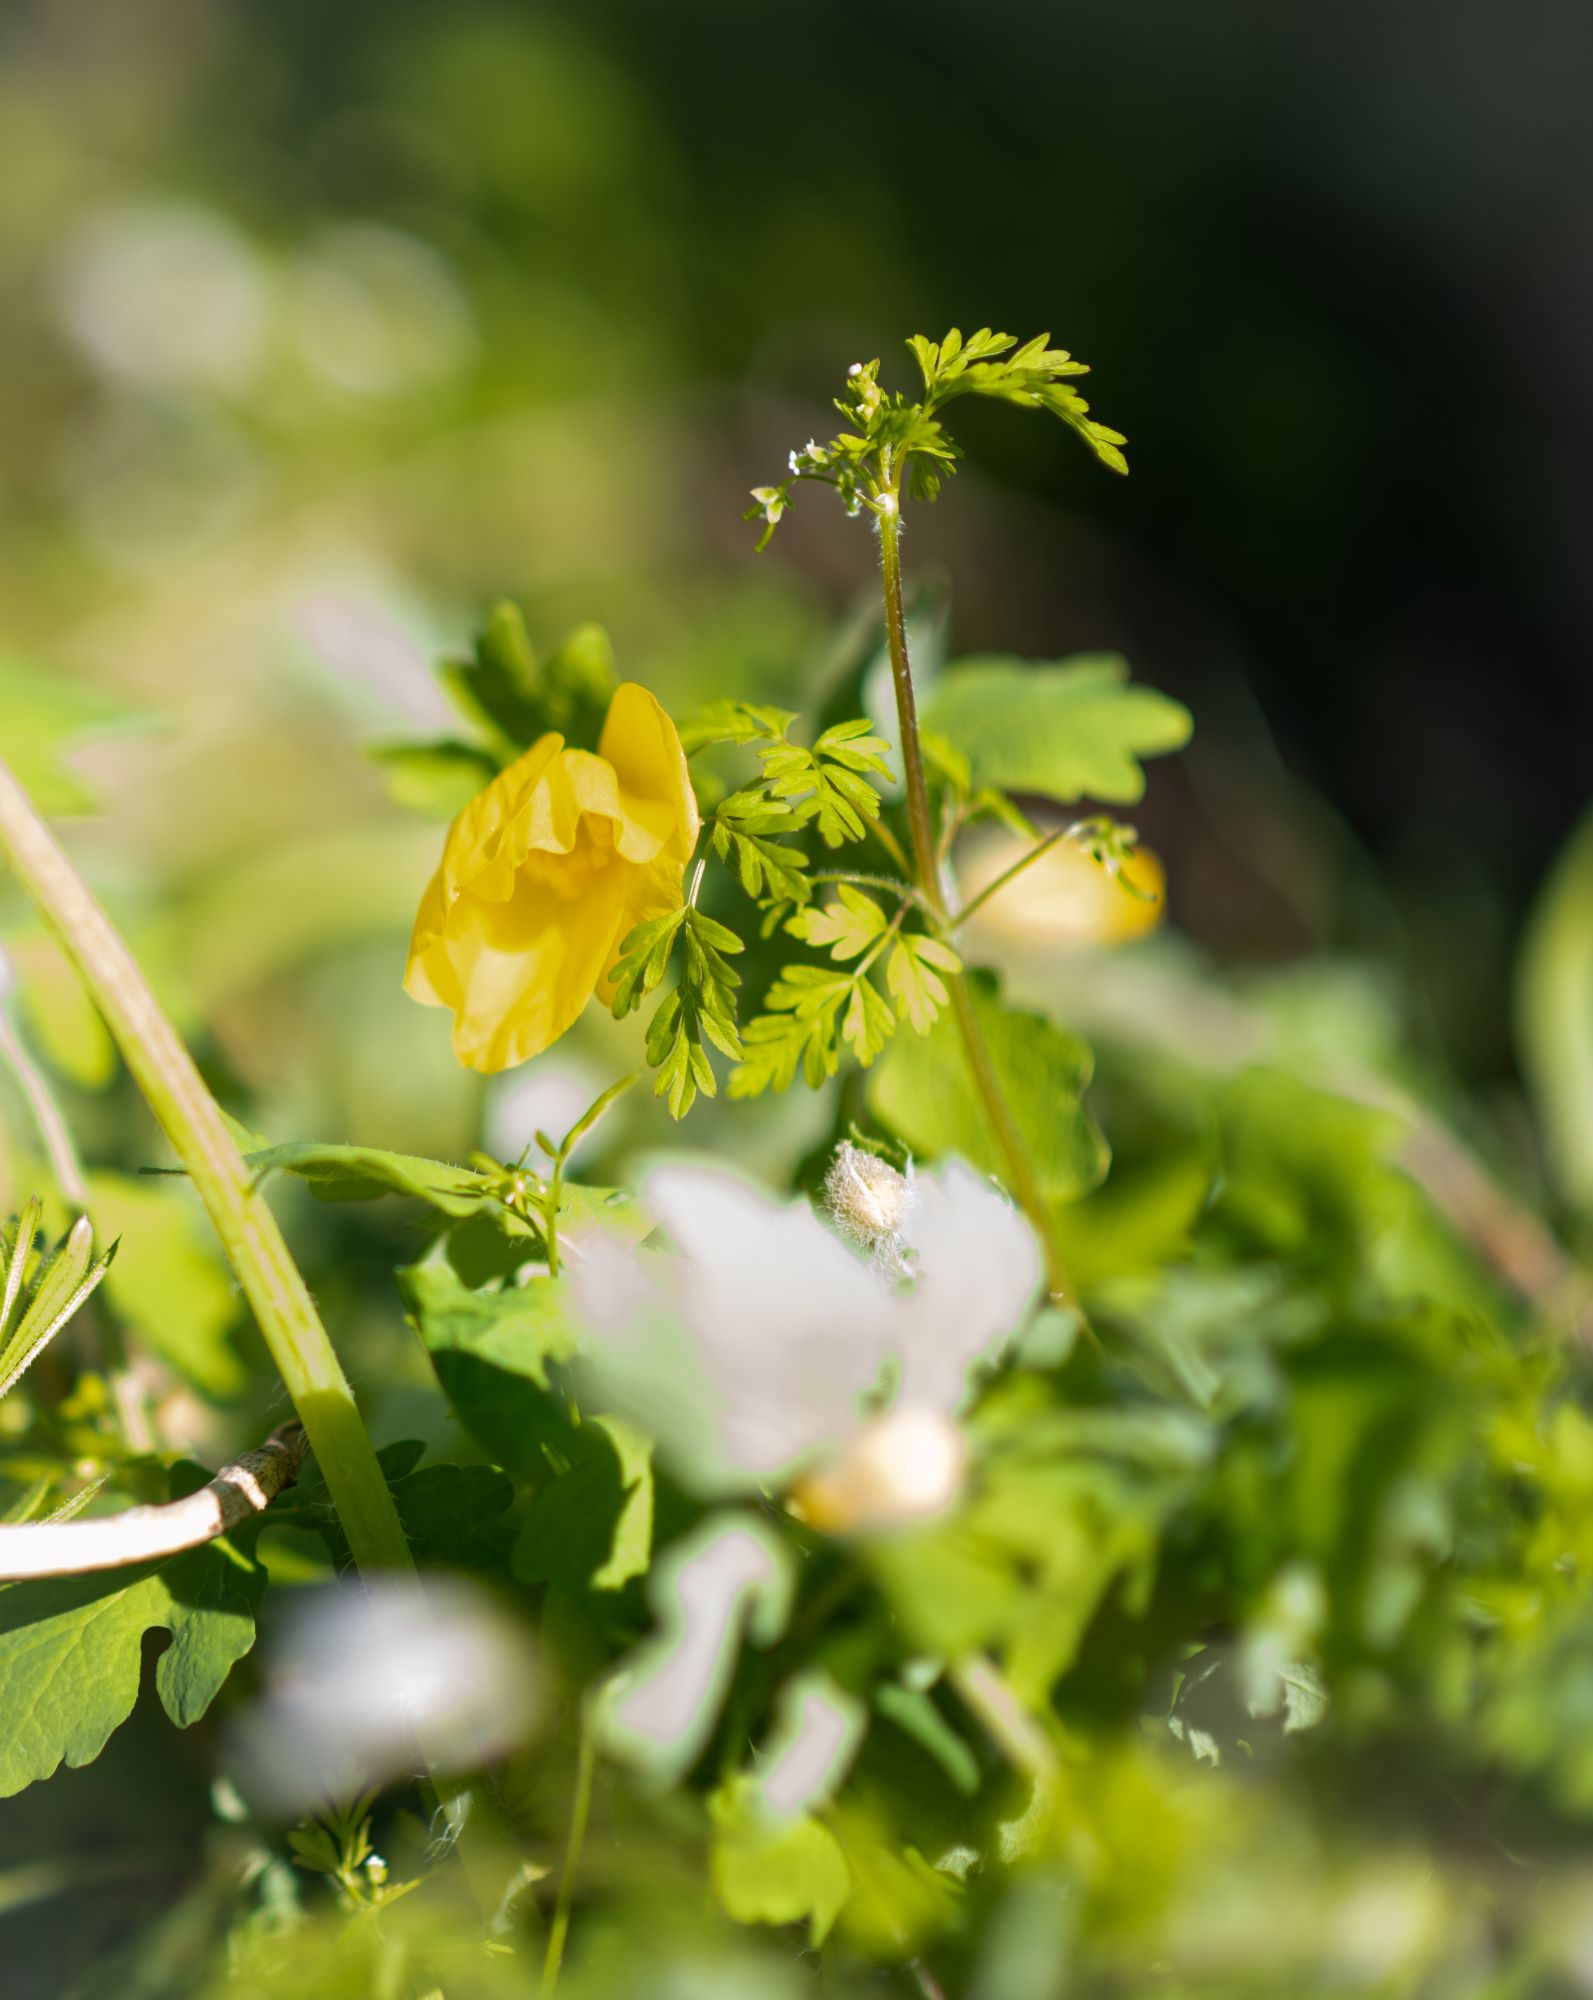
(544, 874)
(1066, 897)
(901, 1469)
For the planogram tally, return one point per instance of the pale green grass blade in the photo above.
(40, 1326)
(17, 1262)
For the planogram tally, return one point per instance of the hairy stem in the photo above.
(920, 825)
(1020, 1168)
(192, 1121)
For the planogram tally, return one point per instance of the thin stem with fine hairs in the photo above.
(1020, 1168)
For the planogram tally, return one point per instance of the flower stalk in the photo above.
(191, 1119)
(1020, 1168)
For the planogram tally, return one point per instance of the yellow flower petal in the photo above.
(641, 743)
(542, 877)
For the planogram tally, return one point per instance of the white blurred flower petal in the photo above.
(977, 1270)
(730, 1576)
(760, 1343)
(548, 1096)
(770, 1331)
(818, 1731)
(361, 1675)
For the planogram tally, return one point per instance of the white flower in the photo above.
(760, 1346)
(364, 1680)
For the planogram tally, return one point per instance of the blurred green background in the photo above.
(321, 327)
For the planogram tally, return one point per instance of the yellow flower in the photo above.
(543, 875)
(1066, 898)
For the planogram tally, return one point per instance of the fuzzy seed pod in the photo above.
(868, 1199)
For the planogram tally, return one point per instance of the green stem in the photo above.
(1007, 874)
(47, 1119)
(1020, 1168)
(889, 883)
(920, 825)
(192, 1121)
(580, 1810)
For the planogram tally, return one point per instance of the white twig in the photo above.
(147, 1534)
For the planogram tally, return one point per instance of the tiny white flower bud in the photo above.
(867, 1199)
(903, 1468)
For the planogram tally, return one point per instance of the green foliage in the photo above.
(170, 1284)
(593, 1523)
(452, 1514)
(700, 1008)
(1256, 1630)
(493, 1349)
(813, 1013)
(513, 699)
(364, 1173)
(829, 784)
(754, 831)
(499, 1355)
(926, 1093)
(914, 978)
(744, 836)
(510, 699)
(437, 780)
(1034, 377)
(1071, 731)
(71, 1652)
(771, 1871)
(891, 438)
(846, 927)
(338, 1845)
(36, 1304)
(1069, 1504)
(1554, 1016)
